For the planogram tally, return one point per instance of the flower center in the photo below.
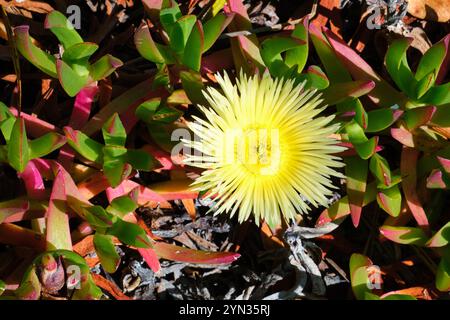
(257, 149)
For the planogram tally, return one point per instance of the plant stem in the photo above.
(15, 58)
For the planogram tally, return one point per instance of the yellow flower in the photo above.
(264, 151)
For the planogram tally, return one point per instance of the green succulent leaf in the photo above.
(45, 144)
(146, 46)
(106, 251)
(180, 31)
(398, 68)
(123, 205)
(98, 217)
(298, 55)
(114, 132)
(62, 29)
(39, 58)
(214, 27)
(404, 235)
(192, 54)
(359, 276)
(79, 51)
(390, 200)
(443, 274)
(85, 146)
(70, 80)
(141, 160)
(104, 66)
(440, 238)
(381, 119)
(18, 150)
(130, 233)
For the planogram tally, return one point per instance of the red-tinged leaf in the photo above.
(128, 101)
(343, 91)
(174, 189)
(30, 286)
(106, 251)
(125, 204)
(408, 167)
(440, 238)
(39, 58)
(153, 7)
(350, 150)
(12, 207)
(113, 131)
(80, 115)
(445, 163)
(335, 69)
(15, 235)
(62, 29)
(192, 54)
(163, 157)
(359, 276)
(87, 147)
(146, 46)
(33, 182)
(383, 93)
(380, 169)
(104, 66)
(18, 150)
(403, 136)
(217, 61)
(436, 180)
(35, 126)
(316, 78)
(45, 144)
(341, 208)
(443, 274)
(145, 194)
(57, 223)
(360, 114)
(214, 27)
(176, 253)
(71, 81)
(417, 117)
(444, 65)
(367, 149)
(245, 49)
(390, 200)
(381, 119)
(151, 258)
(356, 171)
(404, 235)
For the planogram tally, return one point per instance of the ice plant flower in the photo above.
(265, 150)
